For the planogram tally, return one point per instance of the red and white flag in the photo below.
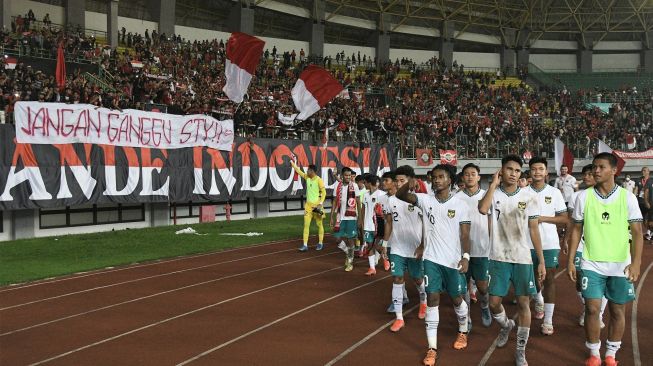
(313, 90)
(137, 64)
(243, 55)
(563, 156)
(604, 148)
(10, 63)
(631, 142)
(448, 157)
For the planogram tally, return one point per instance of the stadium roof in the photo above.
(586, 21)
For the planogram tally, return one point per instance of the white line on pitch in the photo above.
(637, 358)
(278, 321)
(493, 347)
(142, 279)
(160, 293)
(153, 262)
(178, 316)
(366, 338)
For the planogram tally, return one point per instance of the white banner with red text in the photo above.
(59, 123)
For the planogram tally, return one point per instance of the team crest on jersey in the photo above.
(451, 214)
(373, 199)
(411, 208)
(547, 200)
(521, 205)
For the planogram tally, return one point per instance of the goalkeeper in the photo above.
(315, 196)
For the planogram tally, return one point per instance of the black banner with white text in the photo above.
(38, 175)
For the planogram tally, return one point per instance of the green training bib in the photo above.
(605, 227)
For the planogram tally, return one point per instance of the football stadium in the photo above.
(326, 182)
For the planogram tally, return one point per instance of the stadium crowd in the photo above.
(432, 106)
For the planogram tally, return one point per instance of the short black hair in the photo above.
(525, 174)
(587, 168)
(471, 165)
(312, 167)
(390, 175)
(512, 157)
(538, 160)
(346, 169)
(406, 170)
(372, 179)
(450, 169)
(360, 178)
(607, 156)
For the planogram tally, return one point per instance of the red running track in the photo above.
(265, 304)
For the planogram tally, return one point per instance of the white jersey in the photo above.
(479, 234)
(567, 185)
(442, 222)
(630, 186)
(370, 200)
(550, 203)
(407, 224)
(510, 215)
(343, 202)
(570, 209)
(634, 215)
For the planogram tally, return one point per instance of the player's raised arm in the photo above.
(485, 203)
(404, 194)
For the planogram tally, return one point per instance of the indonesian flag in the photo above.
(448, 157)
(243, 55)
(424, 157)
(137, 64)
(10, 63)
(631, 142)
(563, 156)
(60, 73)
(313, 90)
(604, 148)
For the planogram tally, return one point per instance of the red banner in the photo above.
(424, 157)
(648, 154)
(448, 157)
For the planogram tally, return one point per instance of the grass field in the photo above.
(32, 259)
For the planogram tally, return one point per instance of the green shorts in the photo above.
(368, 236)
(577, 259)
(478, 268)
(550, 258)
(438, 278)
(616, 289)
(520, 275)
(399, 265)
(348, 229)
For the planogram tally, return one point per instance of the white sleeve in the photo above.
(532, 208)
(559, 202)
(634, 213)
(579, 207)
(464, 214)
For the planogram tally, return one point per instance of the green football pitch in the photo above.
(33, 259)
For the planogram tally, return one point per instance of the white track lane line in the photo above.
(180, 316)
(637, 358)
(367, 338)
(159, 294)
(154, 262)
(225, 344)
(142, 279)
(493, 347)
